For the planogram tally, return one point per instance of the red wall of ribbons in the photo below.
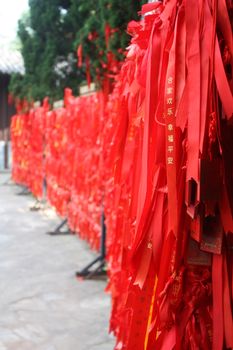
(156, 154)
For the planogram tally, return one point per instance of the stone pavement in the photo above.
(42, 305)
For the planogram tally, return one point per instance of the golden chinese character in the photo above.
(170, 127)
(169, 90)
(170, 149)
(170, 80)
(175, 289)
(169, 111)
(170, 160)
(169, 101)
(170, 138)
(149, 245)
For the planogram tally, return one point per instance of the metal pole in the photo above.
(103, 236)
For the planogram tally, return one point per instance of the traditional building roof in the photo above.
(11, 62)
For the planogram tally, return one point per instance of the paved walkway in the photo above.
(42, 305)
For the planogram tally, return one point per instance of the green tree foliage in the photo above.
(50, 64)
(51, 33)
(91, 34)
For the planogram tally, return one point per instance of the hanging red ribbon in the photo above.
(80, 55)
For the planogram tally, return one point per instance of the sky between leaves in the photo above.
(10, 13)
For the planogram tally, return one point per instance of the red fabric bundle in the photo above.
(37, 144)
(170, 207)
(87, 195)
(27, 136)
(58, 170)
(20, 135)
